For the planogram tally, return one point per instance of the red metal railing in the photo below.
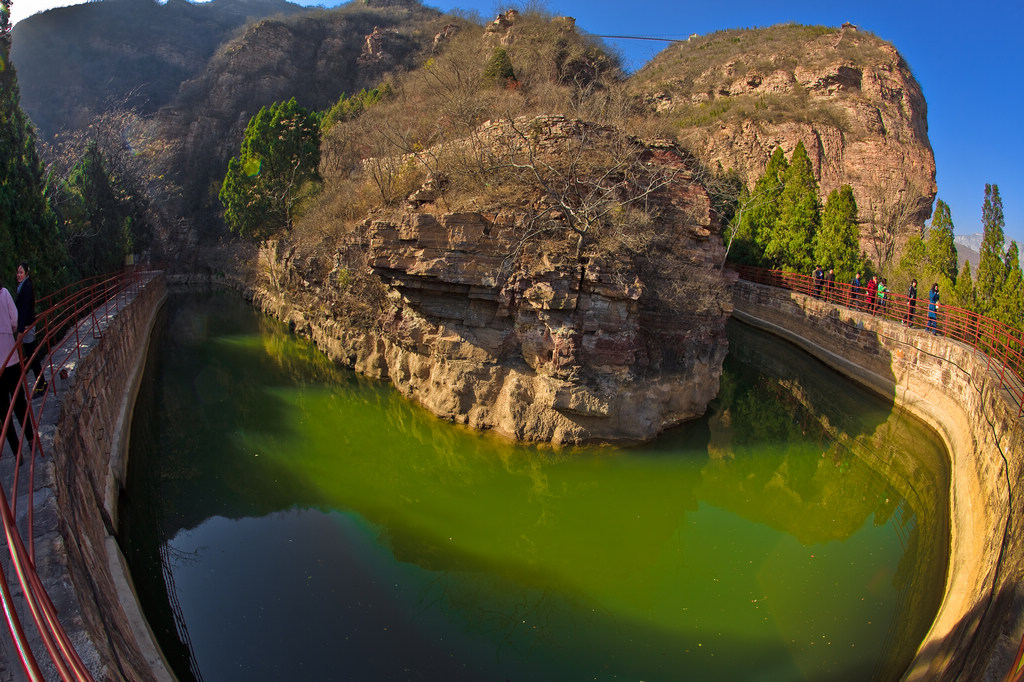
(68, 318)
(1001, 344)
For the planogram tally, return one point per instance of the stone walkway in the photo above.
(49, 545)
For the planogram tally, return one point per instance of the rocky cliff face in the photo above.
(849, 96)
(531, 338)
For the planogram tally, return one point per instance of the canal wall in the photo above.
(957, 392)
(85, 424)
(975, 634)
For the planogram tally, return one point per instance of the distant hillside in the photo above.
(965, 253)
(198, 73)
(314, 57)
(971, 241)
(74, 62)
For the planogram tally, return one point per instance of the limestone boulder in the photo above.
(549, 338)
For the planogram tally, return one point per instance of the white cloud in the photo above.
(20, 9)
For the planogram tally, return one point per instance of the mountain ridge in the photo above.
(169, 43)
(846, 94)
(729, 97)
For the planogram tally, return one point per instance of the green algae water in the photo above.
(285, 519)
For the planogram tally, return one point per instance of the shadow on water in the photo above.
(751, 446)
(264, 480)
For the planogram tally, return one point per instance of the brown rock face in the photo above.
(541, 340)
(558, 352)
(847, 95)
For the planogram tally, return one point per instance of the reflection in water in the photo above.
(303, 522)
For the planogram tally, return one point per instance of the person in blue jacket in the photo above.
(855, 290)
(933, 309)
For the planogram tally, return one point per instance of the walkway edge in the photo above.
(89, 419)
(976, 630)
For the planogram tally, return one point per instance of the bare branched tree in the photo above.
(131, 154)
(896, 208)
(591, 181)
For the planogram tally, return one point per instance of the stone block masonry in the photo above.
(83, 430)
(974, 636)
(957, 392)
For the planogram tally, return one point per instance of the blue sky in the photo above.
(963, 54)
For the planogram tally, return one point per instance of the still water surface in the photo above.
(286, 519)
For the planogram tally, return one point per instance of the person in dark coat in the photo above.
(830, 283)
(911, 303)
(25, 301)
(855, 290)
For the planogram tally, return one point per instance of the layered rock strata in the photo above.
(533, 338)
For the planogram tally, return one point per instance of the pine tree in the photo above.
(963, 291)
(914, 265)
(836, 242)
(940, 246)
(97, 223)
(792, 242)
(28, 228)
(740, 241)
(991, 268)
(1008, 305)
(280, 155)
(761, 211)
(498, 70)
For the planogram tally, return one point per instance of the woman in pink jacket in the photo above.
(11, 375)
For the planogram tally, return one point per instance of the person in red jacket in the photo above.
(872, 294)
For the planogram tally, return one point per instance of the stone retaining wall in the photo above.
(85, 426)
(981, 620)
(975, 634)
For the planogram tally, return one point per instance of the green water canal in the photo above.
(286, 519)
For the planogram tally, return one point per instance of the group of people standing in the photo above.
(17, 317)
(824, 280)
(875, 296)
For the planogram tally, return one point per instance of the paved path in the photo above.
(50, 555)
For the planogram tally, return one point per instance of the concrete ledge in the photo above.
(950, 387)
(85, 425)
(975, 633)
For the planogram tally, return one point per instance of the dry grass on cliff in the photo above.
(428, 127)
(704, 63)
(772, 109)
(700, 75)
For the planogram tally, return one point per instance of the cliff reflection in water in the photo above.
(776, 406)
(301, 515)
